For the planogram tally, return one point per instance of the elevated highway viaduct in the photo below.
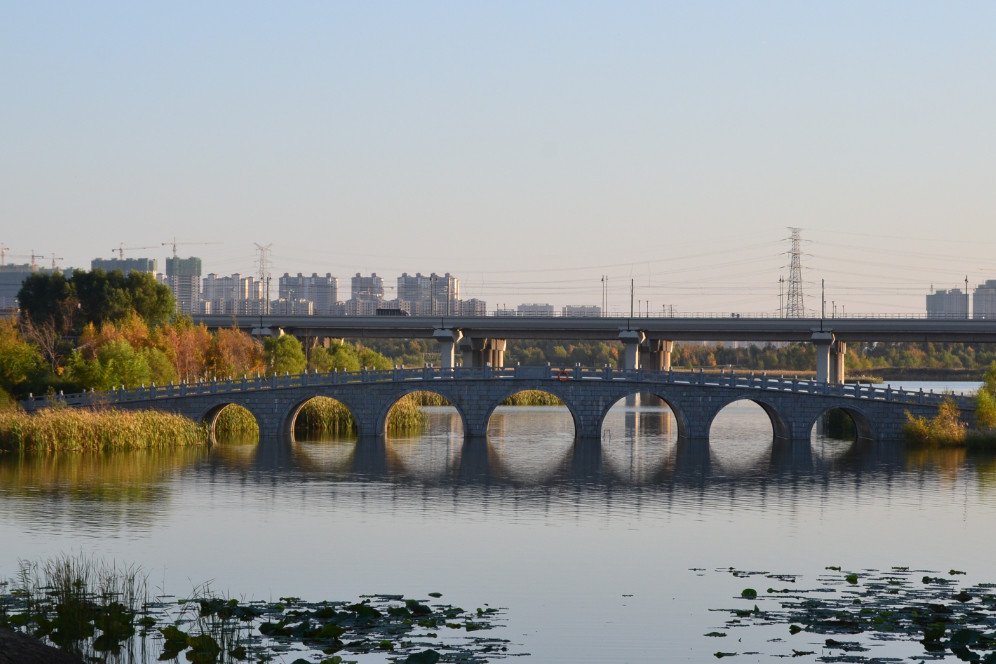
(648, 341)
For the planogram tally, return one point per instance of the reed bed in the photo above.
(236, 425)
(532, 398)
(429, 399)
(324, 416)
(406, 416)
(68, 429)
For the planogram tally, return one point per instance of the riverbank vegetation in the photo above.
(69, 429)
(100, 612)
(948, 428)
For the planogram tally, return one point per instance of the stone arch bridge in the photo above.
(695, 399)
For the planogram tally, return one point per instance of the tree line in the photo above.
(97, 330)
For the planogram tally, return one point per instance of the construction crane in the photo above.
(56, 258)
(3, 255)
(121, 249)
(174, 243)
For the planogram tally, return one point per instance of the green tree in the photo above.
(116, 364)
(20, 362)
(284, 354)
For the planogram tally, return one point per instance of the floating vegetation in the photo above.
(849, 614)
(103, 613)
(77, 429)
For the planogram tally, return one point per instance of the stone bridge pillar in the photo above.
(447, 339)
(631, 341)
(824, 341)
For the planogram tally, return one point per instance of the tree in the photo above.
(284, 354)
(116, 363)
(20, 362)
(234, 353)
(94, 297)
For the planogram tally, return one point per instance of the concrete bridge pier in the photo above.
(473, 351)
(631, 342)
(824, 343)
(448, 340)
(837, 356)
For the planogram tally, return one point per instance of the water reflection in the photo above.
(526, 446)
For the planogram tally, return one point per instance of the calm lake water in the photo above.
(614, 554)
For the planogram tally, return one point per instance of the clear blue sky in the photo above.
(527, 147)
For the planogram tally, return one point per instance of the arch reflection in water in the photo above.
(533, 443)
(639, 435)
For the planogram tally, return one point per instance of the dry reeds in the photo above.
(69, 429)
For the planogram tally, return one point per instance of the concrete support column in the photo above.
(654, 361)
(447, 339)
(473, 351)
(631, 341)
(823, 341)
(498, 347)
(666, 351)
(837, 355)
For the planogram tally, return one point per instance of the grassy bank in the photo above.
(67, 429)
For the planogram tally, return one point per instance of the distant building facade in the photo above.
(366, 295)
(11, 279)
(535, 309)
(581, 310)
(947, 304)
(431, 295)
(126, 265)
(183, 276)
(984, 301)
(321, 291)
(236, 295)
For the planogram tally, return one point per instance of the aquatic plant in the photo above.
(870, 608)
(64, 429)
(97, 611)
(235, 424)
(532, 398)
(324, 416)
(406, 416)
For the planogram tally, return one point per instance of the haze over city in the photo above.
(529, 149)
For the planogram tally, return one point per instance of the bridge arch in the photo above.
(780, 427)
(676, 410)
(294, 411)
(489, 410)
(864, 429)
(208, 416)
(385, 409)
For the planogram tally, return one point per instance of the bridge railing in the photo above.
(745, 381)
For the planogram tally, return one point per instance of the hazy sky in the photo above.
(526, 147)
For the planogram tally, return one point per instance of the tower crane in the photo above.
(3, 255)
(174, 243)
(121, 249)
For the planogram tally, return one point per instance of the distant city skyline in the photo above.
(531, 148)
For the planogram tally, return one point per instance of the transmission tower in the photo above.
(264, 272)
(794, 308)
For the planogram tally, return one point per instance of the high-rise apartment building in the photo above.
(367, 295)
(235, 295)
(321, 291)
(984, 301)
(947, 304)
(429, 295)
(183, 276)
(126, 265)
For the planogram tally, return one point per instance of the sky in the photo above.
(536, 150)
